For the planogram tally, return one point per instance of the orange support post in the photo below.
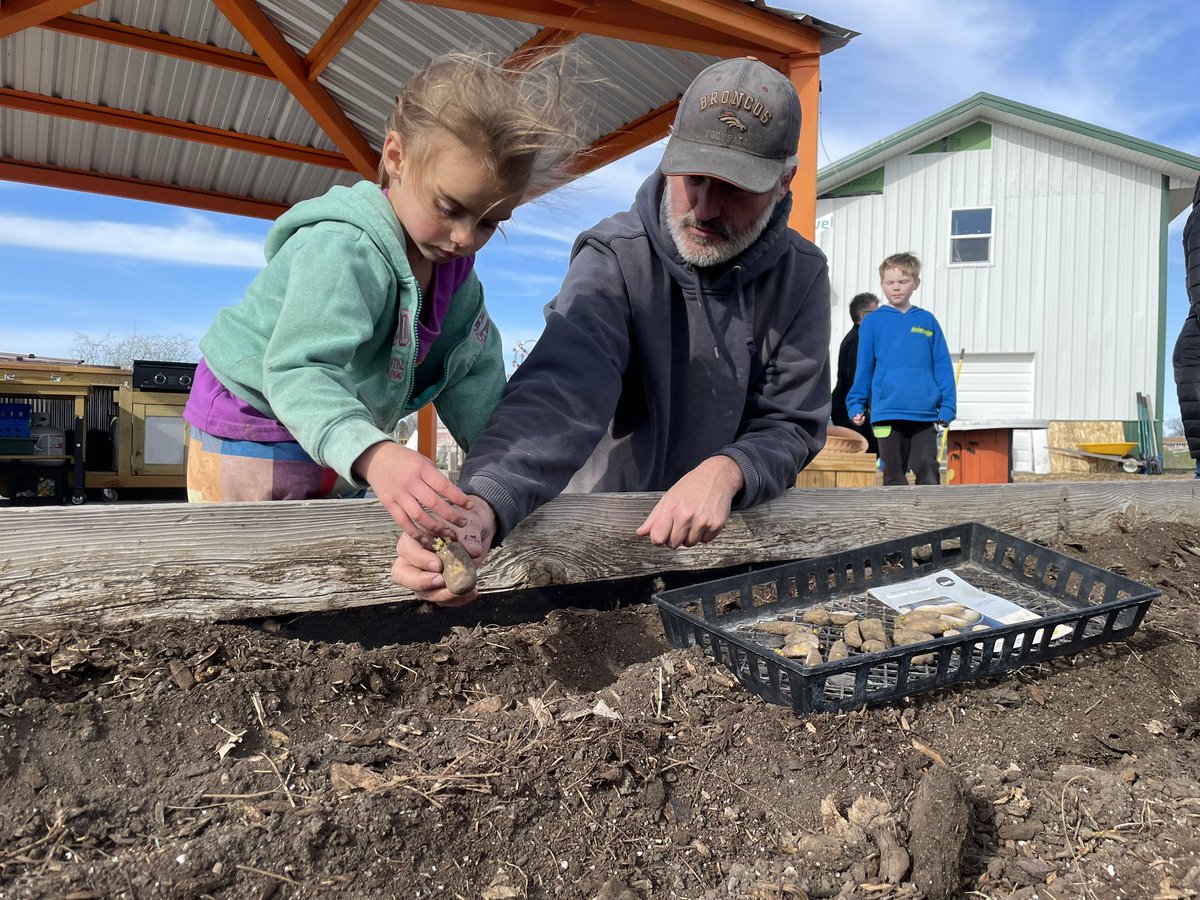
(805, 72)
(427, 432)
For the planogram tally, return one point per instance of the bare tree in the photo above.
(1173, 426)
(121, 350)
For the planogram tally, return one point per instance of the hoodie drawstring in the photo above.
(708, 319)
(737, 276)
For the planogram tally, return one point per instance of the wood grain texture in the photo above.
(110, 564)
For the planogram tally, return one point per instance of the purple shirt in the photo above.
(447, 278)
(213, 409)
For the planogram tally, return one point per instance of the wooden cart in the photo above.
(124, 438)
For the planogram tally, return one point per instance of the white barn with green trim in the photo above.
(1043, 241)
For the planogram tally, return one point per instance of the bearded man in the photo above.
(687, 351)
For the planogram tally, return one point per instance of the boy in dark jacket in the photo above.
(687, 351)
(1187, 347)
(847, 364)
(904, 368)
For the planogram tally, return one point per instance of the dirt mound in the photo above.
(578, 756)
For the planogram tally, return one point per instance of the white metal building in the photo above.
(1043, 241)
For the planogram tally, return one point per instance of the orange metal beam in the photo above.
(17, 15)
(172, 128)
(637, 134)
(268, 43)
(161, 44)
(619, 19)
(741, 22)
(330, 44)
(805, 73)
(138, 189)
(538, 47)
(427, 432)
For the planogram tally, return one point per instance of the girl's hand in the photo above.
(423, 501)
(859, 419)
(696, 507)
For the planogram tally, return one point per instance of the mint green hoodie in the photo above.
(325, 339)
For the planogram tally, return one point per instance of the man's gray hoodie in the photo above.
(647, 367)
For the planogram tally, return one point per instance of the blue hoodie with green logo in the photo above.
(904, 368)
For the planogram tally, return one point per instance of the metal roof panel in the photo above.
(52, 141)
(394, 43)
(629, 80)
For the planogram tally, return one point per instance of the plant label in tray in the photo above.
(947, 592)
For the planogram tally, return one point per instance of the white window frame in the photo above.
(991, 237)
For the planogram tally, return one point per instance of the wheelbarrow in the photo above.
(1119, 452)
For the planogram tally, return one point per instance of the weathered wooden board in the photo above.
(108, 564)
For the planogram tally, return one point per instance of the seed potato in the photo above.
(852, 634)
(838, 650)
(873, 630)
(903, 636)
(817, 615)
(802, 637)
(776, 626)
(458, 569)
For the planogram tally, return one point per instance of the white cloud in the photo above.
(555, 254)
(195, 241)
(523, 227)
(525, 279)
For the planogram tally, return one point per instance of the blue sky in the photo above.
(74, 262)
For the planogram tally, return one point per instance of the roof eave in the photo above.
(993, 108)
(833, 37)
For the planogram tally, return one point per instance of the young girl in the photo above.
(368, 307)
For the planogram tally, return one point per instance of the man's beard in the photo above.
(710, 251)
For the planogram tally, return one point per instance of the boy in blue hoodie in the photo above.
(904, 368)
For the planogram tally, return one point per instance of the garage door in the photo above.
(998, 387)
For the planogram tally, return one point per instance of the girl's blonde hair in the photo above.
(522, 121)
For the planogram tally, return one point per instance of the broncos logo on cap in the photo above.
(732, 121)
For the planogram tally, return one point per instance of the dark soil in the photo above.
(576, 755)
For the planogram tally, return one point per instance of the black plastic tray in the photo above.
(1096, 606)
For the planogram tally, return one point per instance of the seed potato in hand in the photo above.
(458, 569)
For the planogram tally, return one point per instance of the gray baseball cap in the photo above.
(738, 121)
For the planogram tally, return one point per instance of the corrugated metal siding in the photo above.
(1080, 268)
(196, 21)
(629, 80)
(1074, 278)
(624, 81)
(393, 43)
(122, 78)
(851, 242)
(98, 148)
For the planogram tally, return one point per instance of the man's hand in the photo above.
(419, 569)
(859, 419)
(420, 498)
(696, 507)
